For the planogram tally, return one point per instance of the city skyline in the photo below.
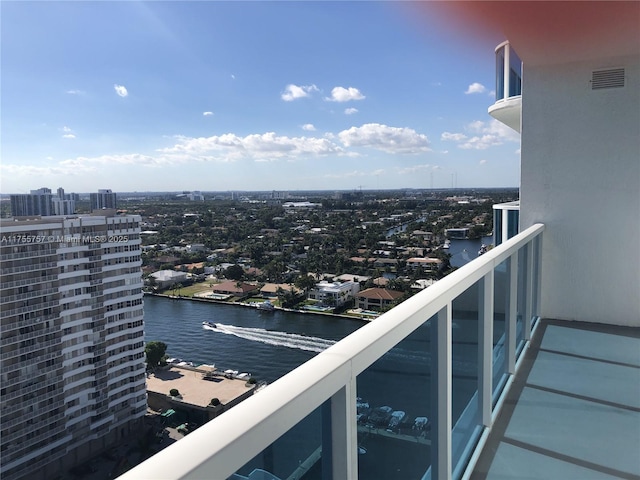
(219, 96)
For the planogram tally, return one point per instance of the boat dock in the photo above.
(383, 432)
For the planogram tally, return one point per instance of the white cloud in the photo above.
(207, 114)
(475, 88)
(293, 92)
(456, 137)
(341, 94)
(259, 147)
(121, 90)
(67, 132)
(350, 111)
(75, 92)
(233, 77)
(309, 127)
(387, 139)
(483, 135)
(483, 162)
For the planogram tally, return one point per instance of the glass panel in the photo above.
(513, 220)
(296, 454)
(515, 74)
(464, 387)
(500, 311)
(394, 411)
(522, 297)
(497, 227)
(500, 73)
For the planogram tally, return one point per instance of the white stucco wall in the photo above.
(581, 177)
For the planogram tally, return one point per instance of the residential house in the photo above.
(376, 298)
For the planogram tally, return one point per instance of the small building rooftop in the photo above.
(194, 389)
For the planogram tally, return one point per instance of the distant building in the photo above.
(425, 262)
(38, 202)
(195, 196)
(196, 247)
(457, 233)
(234, 288)
(42, 202)
(168, 278)
(64, 203)
(105, 198)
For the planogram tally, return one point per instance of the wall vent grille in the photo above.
(611, 78)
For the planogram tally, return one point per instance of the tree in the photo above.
(154, 351)
(234, 272)
(305, 282)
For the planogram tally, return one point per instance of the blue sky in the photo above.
(167, 96)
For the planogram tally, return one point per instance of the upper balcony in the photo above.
(508, 105)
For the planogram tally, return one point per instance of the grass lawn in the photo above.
(192, 289)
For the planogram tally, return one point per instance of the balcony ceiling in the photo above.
(549, 32)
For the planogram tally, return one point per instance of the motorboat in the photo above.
(420, 423)
(380, 415)
(396, 417)
(266, 306)
(208, 324)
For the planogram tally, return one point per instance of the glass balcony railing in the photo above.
(508, 72)
(412, 394)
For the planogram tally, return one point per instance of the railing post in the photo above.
(528, 291)
(512, 313)
(485, 348)
(537, 278)
(441, 376)
(344, 434)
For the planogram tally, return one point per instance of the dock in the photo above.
(383, 432)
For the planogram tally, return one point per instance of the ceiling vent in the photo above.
(611, 78)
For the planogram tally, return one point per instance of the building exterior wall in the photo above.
(581, 178)
(72, 338)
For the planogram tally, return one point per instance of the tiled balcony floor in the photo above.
(573, 411)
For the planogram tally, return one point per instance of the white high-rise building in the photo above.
(72, 338)
(105, 198)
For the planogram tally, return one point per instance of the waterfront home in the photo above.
(168, 278)
(334, 293)
(376, 298)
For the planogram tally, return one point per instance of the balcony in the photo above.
(462, 338)
(508, 106)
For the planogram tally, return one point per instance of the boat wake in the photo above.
(281, 339)
(316, 344)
